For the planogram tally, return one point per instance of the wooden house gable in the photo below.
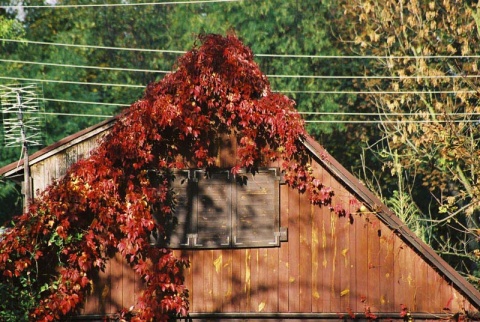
(325, 267)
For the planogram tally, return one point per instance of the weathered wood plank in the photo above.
(247, 280)
(343, 256)
(294, 252)
(217, 294)
(197, 294)
(236, 283)
(209, 271)
(272, 280)
(361, 263)
(400, 274)
(351, 293)
(283, 277)
(227, 280)
(373, 263)
(386, 278)
(254, 280)
(317, 268)
(305, 229)
(117, 279)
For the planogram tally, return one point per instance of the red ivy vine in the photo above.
(110, 203)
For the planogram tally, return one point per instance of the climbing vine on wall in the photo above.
(110, 202)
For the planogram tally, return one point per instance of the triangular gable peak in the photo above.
(328, 266)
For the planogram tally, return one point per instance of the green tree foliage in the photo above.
(9, 194)
(273, 27)
(430, 108)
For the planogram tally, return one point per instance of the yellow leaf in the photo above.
(344, 292)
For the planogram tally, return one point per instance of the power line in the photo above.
(378, 114)
(278, 91)
(306, 121)
(85, 66)
(84, 102)
(385, 114)
(269, 76)
(373, 76)
(367, 56)
(74, 114)
(70, 82)
(180, 52)
(123, 4)
(163, 51)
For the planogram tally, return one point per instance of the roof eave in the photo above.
(355, 186)
(16, 168)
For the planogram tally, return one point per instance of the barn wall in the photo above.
(55, 166)
(328, 264)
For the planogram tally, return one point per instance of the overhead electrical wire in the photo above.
(84, 102)
(382, 92)
(122, 4)
(306, 121)
(386, 113)
(70, 82)
(306, 113)
(75, 114)
(269, 76)
(85, 66)
(181, 52)
(162, 51)
(390, 121)
(374, 76)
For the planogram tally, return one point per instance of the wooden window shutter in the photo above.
(184, 195)
(212, 207)
(256, 209)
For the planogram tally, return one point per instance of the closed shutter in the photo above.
(213, 209)
(184, 196)
(256, 209)
(218, 210)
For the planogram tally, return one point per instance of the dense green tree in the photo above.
(9, 192)
(273, 27)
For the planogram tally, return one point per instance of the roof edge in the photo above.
(391, 220)
(16, 167)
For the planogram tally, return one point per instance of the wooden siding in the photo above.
(327, 265)
(45, 171)
(328, 268)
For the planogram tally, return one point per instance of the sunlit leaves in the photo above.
(112, 201)
(431, 87)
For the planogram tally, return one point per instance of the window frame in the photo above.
(198, 197)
